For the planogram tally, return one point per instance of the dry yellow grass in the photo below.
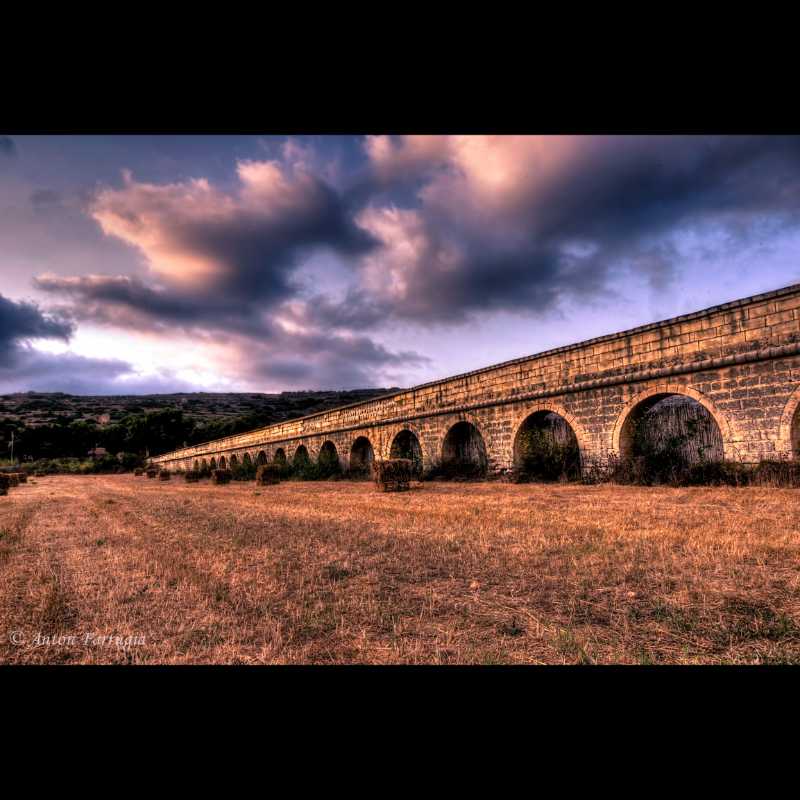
(336, 572)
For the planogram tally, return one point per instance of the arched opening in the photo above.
(463, 452)
(406, 445)
(246, 460)
(213, 463)
(280, 455)
(234, 461)
(328, 460)
(300, 456)
(361, 457)
(196, 466)
(261, 458)
(222, 463)
(546, 449)
(665, 435)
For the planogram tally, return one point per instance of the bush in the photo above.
(5, 482)
(268, 474)
(455, 470)
(777, 473)
(546, 459)
(164, 475)
(639, 471)
(191, 476)
(246, 471)
(393, 474)
(221, 476)
(151, 473)
(138, 472)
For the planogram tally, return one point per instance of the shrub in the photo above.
(328, 465)
(545, 458)
(393, 474)
(5, 482)
(268, 474)
(246, 471)
(717, 473)
(138, 472)
(151, 473)
(455, 470)
(777, 473)
(221, 476)
(191, 476)
(13, 480)
(164, 475)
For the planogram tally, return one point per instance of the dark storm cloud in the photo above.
(130, 303)
(7, 147)
(23, 368)
(328, 361)
(560, 218)
(23, 321)
(434, 230)
(246, 245)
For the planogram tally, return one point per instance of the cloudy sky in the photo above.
(229, 263)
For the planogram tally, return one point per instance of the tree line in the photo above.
(146, 434)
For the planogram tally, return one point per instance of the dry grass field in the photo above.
(336, 572)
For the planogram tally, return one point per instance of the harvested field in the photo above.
(337, 572)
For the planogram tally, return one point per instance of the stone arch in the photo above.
(234, 461)
(788, 443)
(548, 443)
(464, 450)
(213, 463)
(246, 460)
(280, 456)
(555, 408)
(196, 466)
(300, 456)
(362, 455)
(406, 444)
(387, 435)
(261, 458)
(328, 459)
(620, 446)
(223, 464)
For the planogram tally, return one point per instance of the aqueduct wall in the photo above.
(740, 360)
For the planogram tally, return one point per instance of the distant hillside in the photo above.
(53, 425)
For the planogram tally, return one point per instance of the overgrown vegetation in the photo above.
(636, 471)
(108, 464)
(546, 458)
(58, 426)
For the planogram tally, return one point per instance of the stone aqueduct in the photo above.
(740, 360)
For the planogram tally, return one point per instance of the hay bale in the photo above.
(393, 474)
(164, 475)
(151, 473)
(221, 476)
(268, 474)
(192, 476)
(5, 482)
